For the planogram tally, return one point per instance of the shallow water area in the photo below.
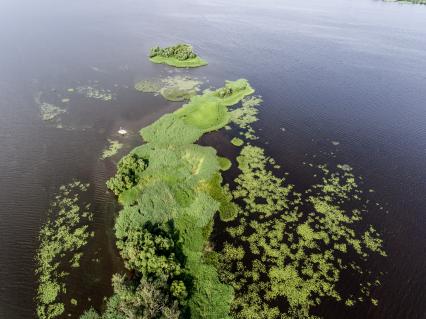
(342, 83)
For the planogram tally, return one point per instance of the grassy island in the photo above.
(180, 56)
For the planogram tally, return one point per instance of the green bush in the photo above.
(128, 170)
(180, 52)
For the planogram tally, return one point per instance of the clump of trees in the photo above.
(128, 171)
(158, 287)
(154, 252)
(230, 88)
(181, 52)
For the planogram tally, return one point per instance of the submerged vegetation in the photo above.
(50, 112)
(95, 93)
(113, 148)
(180, 55)
(173, 88)
(61, 241)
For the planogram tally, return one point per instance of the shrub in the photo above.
(128, 171)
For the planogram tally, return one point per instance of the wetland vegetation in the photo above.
(286, 251)
(173, 88)
(282, 252)
(180, 55)
(62, 239)
(113, 147)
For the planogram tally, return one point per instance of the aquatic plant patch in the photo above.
(113, 148)
(50, 112)
(296, 247)
(180, 55)
(173, 88)
(62, 238)
(95, 93)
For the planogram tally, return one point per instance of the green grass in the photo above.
(202, 114)
(190, 63)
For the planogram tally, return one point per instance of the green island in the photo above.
(282, 252)
(62, 238)
(180, 55)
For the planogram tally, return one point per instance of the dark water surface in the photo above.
(349, 71)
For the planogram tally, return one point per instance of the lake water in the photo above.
(348, 71)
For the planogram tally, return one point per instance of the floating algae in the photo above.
(50, 112)
(61, 242)
(113, 148)
(180, 55)
(173, 88)
(237, 141)
(293, 253)
(179, 88)
(294, 246)
(149, 86)
(245, 115)
(94, 93)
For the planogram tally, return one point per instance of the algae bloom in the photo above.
(180, 55)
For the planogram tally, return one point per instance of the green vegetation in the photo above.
(170, 190)
(237, 141)
(204, 113)
(113, 148)
(287, 252)
(293, 246)
(61, 241)
(180, 55)
(176, 88)
(294, 249)
(245, 115)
